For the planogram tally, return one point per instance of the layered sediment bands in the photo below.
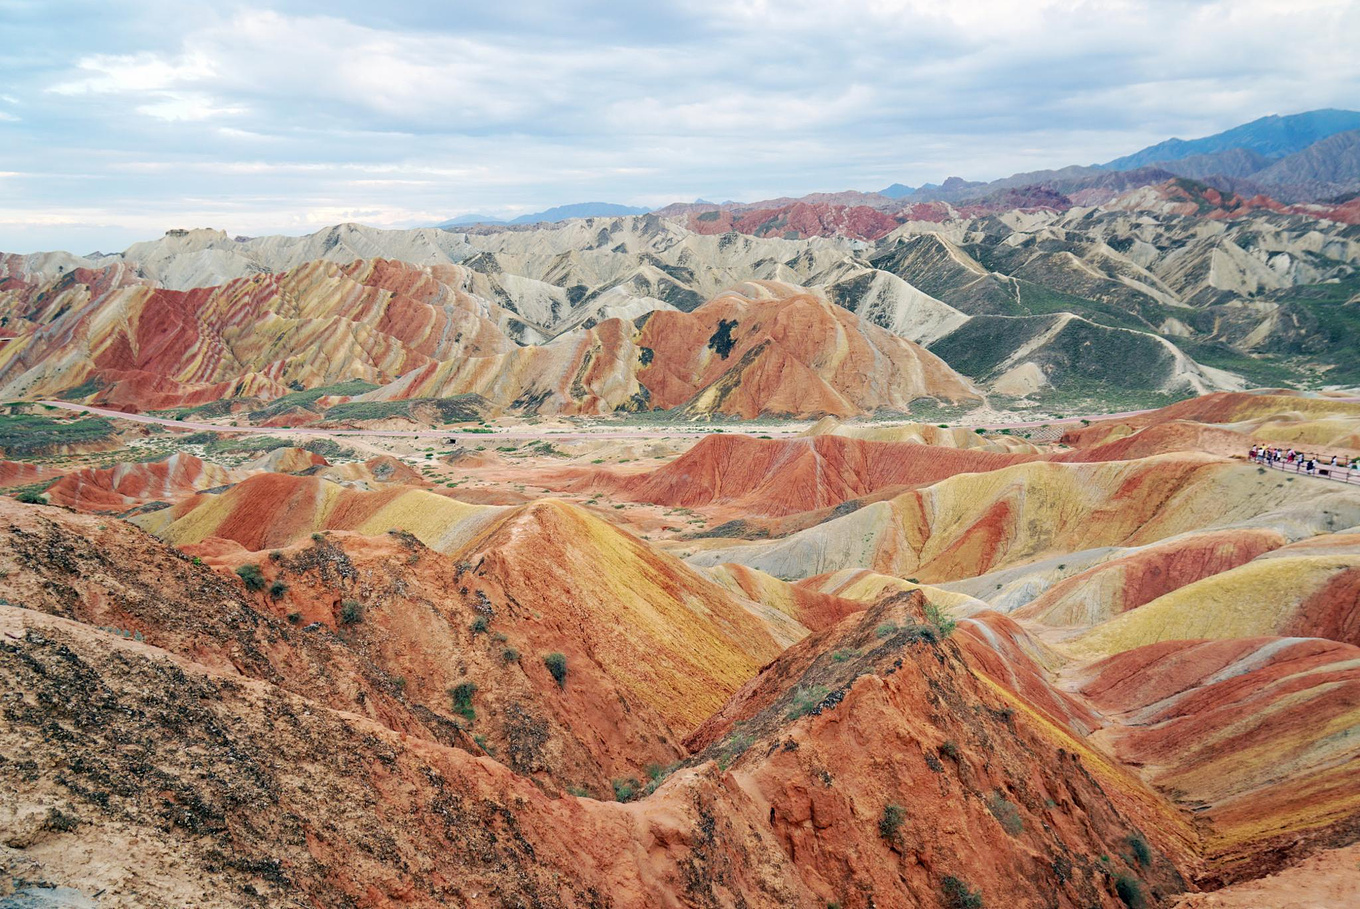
(664, 634)
(318, 324)
(1272, 417)
(1127, 582)
(1307, 591)
(1255, 735)
(271, 510)
(769, 349)
(780, 477)
(967, 526)
(810, 608)
(873, 713)
(124, 486)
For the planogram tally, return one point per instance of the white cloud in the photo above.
(285, 117)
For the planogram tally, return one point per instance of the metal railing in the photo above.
(1323, 471)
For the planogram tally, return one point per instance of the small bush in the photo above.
(806, 700)
(840, 656)
(943, 624)
(461, 695)
(1130, 891)
(626, 789)
(480, 625)
(950, 750)
(891, 821)
(28, 497)
(351, 612)
(886, 630)
(1006, 814)
(557, 666)
(251, 576)
(510, 655)
(958, 895)
(294, 618)
(277, 589)
(1142, 853)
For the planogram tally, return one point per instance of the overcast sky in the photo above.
(119, 120)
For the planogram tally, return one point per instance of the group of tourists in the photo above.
(1301, 462)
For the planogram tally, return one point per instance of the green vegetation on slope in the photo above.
(457, 409)
(23, 435)
(305, 399)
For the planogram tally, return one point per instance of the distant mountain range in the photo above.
(1269, 137)
(552, 215)
(1311, 157)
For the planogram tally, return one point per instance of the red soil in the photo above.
(123, 486)
(777, 477)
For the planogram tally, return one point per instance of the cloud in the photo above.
(286, 117)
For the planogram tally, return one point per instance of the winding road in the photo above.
(518, 434)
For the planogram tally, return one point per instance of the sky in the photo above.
(120, 120)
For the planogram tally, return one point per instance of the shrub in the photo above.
(957, 894)
(1129, 890)
(942, 623)
(480, 625)
(462, 700)
(1006, 814)
(950, 750)
(277, 589)
(890, 823)
(557, 666)
(351, 612)
(510, 655)
(625, 789)
(886, 630)
(251, 576)
(840, 656)
(29, 497)
(1142, 853)
(806, 700)
(294, 618)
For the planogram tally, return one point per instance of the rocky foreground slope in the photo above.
(1106, 675)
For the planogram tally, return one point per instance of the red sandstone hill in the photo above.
(778, 477)
(189, 744)
(765, 348)
(148, 348)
